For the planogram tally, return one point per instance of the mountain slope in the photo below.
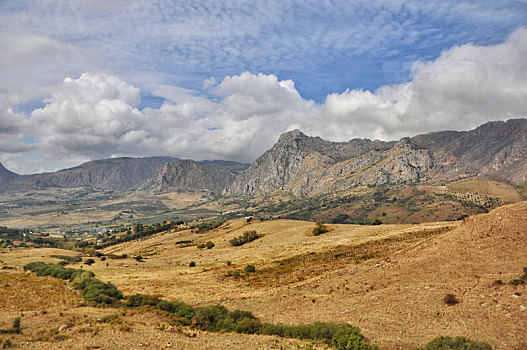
(115, 174)
(6, 177)
(309, 165)
(189, 175)
(296, 160)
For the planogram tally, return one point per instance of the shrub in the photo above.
(67, 258)
(349, 338)
(248, 326)
(457, 343)
(137, 300)
(273, 329)
(89, 261)
(99, 292)
(208, 245)
(16, 326)
(319, 229)
(248, 236)
(450, 299)
(7, 344)
(249, 269)
(192, 264)
(207, 317)
(138, 258)
(376, 222)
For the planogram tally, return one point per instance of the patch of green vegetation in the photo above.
(67, 258)
(92, 290)
(457, 343)
(213, 318)
(319, 229)
(15, 327)
(248, 236)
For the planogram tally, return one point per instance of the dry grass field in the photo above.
(389, 280)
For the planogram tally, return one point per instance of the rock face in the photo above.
(297, 162)
(189, 175)
(115, 174)
(496, 150)
(309, 165)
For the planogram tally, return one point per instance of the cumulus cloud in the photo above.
(239, 117)
(464, 87)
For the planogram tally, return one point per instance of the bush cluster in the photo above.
(68, 259)
(207, 226)
(15, 328)
(208, 245)
(217, 318)
(92, 290)
(320, 228)
(57, 271)
(457, 343)
(248, 236)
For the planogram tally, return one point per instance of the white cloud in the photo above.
(466, 86)
(97, 115)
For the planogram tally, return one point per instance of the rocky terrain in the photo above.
(307, 165)
(115, 174)
(189, 175)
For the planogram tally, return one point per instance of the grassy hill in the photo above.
(389, 280)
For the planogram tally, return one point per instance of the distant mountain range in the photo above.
(307, 165)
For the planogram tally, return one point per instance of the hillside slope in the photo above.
(309, 165)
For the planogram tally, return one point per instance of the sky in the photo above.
(92, 79)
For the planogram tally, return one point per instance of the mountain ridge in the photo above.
(310, 165)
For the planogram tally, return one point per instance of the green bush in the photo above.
(319, 229)
(348, 337)
(137, 300)
(249, 269)
(89, 261)
(207, 317)
(457, 343)
(57, 271)
(248, 236)
(99, 292)
(248, 326)
(16, 326)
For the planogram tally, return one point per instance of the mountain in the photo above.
(496, 150)
(190, 175)
(307, 165)
(6, 177)
(115, 174)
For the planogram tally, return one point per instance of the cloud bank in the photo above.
(97, 115)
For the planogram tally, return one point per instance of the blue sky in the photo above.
(180, 54)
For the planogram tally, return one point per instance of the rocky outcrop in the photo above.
(189, 175)
(309, 165)
(496, 150)
(296, 162)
